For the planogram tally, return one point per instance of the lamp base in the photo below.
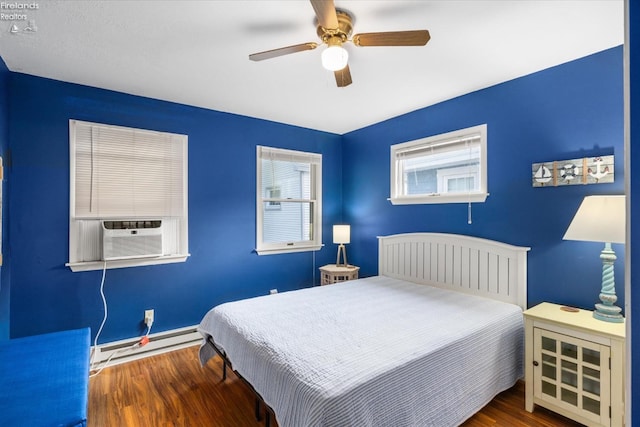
(342, 250)
(608, 313)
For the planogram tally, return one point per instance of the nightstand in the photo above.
(332, 273)
(574, 365)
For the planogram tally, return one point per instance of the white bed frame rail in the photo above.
(461, 263)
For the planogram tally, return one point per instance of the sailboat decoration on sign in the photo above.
(542, 175)
(588, 170)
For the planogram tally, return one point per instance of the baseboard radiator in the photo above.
(161, 342)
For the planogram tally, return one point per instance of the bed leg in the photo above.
(258, 405)
(258, 417)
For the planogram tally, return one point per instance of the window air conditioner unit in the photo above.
(131, 239)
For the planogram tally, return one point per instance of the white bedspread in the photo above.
(371, 352)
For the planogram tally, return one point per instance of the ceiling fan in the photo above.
(334, 29)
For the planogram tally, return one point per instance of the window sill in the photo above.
(122, 263)
(275, 251)
(439, 198)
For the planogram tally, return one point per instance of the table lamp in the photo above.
(602, 219)
(341, 235)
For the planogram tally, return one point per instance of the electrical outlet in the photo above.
(148, 317)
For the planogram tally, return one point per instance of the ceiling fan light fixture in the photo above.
(335, 58)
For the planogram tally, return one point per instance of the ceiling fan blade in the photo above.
(326, 13)
(343, 77)
(393, 38)
(268, 54)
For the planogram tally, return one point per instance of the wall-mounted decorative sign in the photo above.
(588, 170)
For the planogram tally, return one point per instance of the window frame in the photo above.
(398, 194)
(84, 255)
(315, 200)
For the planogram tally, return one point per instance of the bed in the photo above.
(428, 342)
(44, 379)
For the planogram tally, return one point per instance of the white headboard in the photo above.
(456, 262)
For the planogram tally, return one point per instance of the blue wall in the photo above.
(47, 296)
(570, 111)
(5, 283)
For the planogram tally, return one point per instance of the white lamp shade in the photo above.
(335, 58)
(599, 219)
(341, 234)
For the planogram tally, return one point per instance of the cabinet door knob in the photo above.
(535, 363)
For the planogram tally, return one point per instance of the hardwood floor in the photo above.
(173, 390)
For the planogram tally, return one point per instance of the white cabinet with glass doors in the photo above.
(574, 365)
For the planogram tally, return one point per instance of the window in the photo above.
(128, 176)
(288, 201)
(447, 168)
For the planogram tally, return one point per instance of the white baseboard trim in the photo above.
(161, 342)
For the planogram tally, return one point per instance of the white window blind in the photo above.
(128, 173)
(288, 200)
(269, 153)
(441, 152)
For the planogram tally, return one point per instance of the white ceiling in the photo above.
(196, 52)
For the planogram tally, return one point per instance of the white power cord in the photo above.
(143, 341)
(132, 347)
(104, 318)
